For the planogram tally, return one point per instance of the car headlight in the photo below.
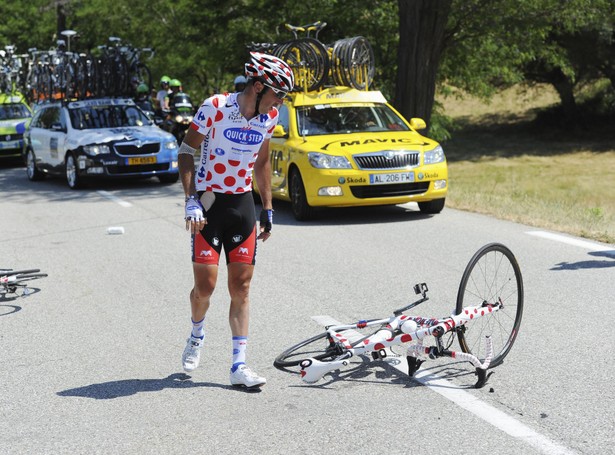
(96, 149)
(434, 156)
(324, 161)
(170, 145)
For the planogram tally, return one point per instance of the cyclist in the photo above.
(163, 93)
(233, 132)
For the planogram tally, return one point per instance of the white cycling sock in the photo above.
(239, 351)
(198, 329)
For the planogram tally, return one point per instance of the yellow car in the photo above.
(342, 147)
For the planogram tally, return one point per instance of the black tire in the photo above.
(73, 179)
(31, 170)
(298, 200)
(492, 275)
(168, 178)
(317, 347)
(432, 207)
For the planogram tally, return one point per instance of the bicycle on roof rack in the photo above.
(12, 280)
(347, 62)
(485, 322)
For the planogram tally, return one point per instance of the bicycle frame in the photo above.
(313, 370)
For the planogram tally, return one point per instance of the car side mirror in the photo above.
(418, 123)
(278, 131)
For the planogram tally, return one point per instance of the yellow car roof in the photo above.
(337, 95)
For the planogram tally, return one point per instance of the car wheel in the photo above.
(72, 175)
(298, 200)
(168, 178)
(32, 171)
(432, 207)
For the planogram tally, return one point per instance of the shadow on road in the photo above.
(127, 387)
(591, 264)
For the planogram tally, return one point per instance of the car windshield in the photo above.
(13, 111)
(105, 116)
(339, 119)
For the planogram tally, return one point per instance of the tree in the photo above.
(422, 40)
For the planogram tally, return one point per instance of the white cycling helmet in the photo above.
(271, 70)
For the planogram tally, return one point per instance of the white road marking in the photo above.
(467, 401)
(592, 246)
(115, 199)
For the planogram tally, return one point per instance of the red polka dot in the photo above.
(209, 176)
(220, 168)
(405, 338)
(242, 173)
(228, 192)
(216, 186)
(230, 181)
(215, 102)
(234, 163)
(248, 181)
(209, 122)
(240, 190)
(378, 346)
(219, 116)
(250, 165)
(212, 156)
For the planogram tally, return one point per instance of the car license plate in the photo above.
(141, 160)
(397, 177)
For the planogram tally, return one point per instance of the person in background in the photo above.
(240, 83)
(163, 95)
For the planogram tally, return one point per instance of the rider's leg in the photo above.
(205, 277)
(239, 278)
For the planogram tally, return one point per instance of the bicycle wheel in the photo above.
(492, 275)
(309, 60)
(318, 347)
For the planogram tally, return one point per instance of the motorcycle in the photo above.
(179, 116)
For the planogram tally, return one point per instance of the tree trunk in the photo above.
(422, 25)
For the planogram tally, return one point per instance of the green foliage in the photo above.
(489, 44)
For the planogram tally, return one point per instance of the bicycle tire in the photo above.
(309, 60)
(316, 347)
(359, 63)
(493, 274)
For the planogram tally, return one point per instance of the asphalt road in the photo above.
(90, 363)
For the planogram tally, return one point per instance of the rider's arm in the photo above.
(193, 140)
(262, 175)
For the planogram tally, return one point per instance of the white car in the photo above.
(97, 138)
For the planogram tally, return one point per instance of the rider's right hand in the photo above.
(195, 218)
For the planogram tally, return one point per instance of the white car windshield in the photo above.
(13, 111)
(92, 117)
(336, 119)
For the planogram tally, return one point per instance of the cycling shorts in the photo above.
(231, 223)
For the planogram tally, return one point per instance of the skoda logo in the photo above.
(389, 154)
(237, 238)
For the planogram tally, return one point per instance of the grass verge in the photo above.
(505, 160)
